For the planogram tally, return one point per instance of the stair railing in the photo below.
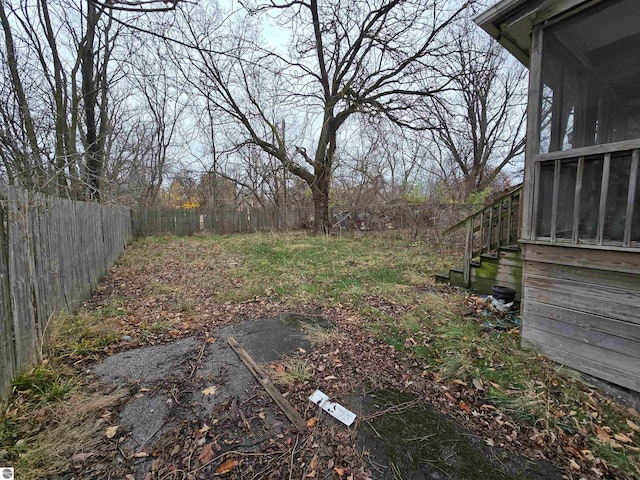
(490, 228)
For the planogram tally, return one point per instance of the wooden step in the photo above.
(442, 277)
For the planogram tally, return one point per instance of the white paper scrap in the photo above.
(336, 410)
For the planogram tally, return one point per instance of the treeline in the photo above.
(183, 104)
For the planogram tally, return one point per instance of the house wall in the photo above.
(581, 308)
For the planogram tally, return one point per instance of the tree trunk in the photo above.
(35, 165)
(89, 95)
(320, 194)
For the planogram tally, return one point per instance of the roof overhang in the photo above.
(511, 22)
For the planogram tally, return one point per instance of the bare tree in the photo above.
(479, 126)
(58, 72)
(345, 58)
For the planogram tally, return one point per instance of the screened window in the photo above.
(590, 72)
(590, 200)
(590, 97)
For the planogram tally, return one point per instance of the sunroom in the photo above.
(580, 232)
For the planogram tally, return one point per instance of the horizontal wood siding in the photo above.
(53, 253)
(581, 307)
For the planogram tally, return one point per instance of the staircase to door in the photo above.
(492, 253)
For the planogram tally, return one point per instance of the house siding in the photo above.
(582, 309)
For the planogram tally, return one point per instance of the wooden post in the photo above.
(509, 218)
(490, 230)
(533, 134)
(603, 198)
(554, 200)
(468, 252)
(575, 236)
(499, 239)
(631, 198)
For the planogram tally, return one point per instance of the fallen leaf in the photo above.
(226, 467)
(210, 390)
(81, 457)
(464, 406)
(621, 437)
(331, 377)
(339, 471)
(633, 426)
(459, 382)
(603, 435)
(574, 465)
(478, 384)
(141, 455)
(206, 454)
(312, 422)
(111, 431)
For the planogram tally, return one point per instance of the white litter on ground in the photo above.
(336, 410)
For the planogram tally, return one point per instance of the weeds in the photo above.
(84, 333)
(73, 427)
(11, 446)
(44, 383)
(293, 371)
(375, 278)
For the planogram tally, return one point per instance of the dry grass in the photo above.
(73, 427)
(292, 371)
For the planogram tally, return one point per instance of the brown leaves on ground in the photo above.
(227, 467)
(168, 289)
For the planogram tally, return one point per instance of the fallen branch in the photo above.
(288, 409)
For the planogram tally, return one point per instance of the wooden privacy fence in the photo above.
(53, 252)
(220, 221)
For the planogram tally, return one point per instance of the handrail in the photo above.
(461, 223)
(496, 225)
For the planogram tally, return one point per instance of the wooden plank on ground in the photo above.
(288, 409)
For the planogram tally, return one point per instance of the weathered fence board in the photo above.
(220, 221)
(53, 253)
(7, 343)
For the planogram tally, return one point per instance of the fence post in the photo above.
(468, 252)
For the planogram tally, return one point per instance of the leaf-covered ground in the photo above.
(394, 329)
